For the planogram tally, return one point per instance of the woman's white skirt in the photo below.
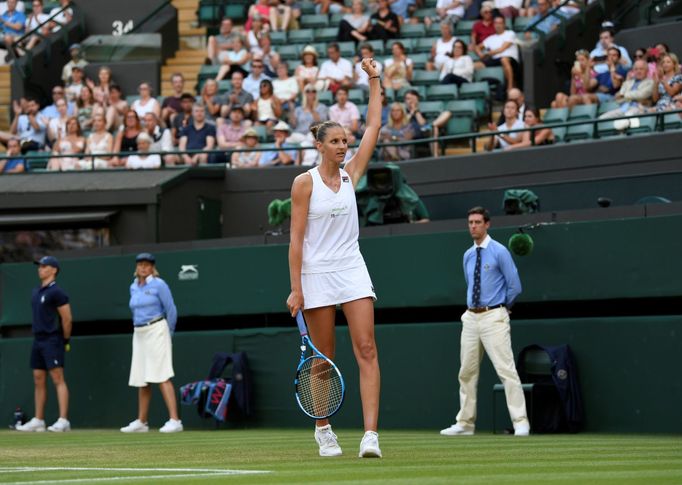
(152, 360)
(335, 288)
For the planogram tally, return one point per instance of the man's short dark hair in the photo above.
(480, 210)
(607, 29)
(334, 46)
(185, 96)
(614, 49)
(413, 92)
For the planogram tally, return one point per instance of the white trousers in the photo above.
(490, 331)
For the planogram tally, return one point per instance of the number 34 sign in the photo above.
(121, 27)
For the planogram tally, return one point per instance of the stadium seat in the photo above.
(478, 91)
(493, 75)
(463, 27)
(606, 106)
(235, 10)
(262, 131)
(425, 12)
(36, 160)
(419, 60)
(462, 107)
(409, 31)
(607, 129)
(224, 86)
(211, 13)
(278, 38)
(442, 92)
(326, 34)
(377, 45)
(425, 44)
(302, 36)
(307, 8)
(672, 121)
(425, 78)
(583, 112)
(326, 97)
(335, 19)
(314, 21)
(357, 96)
(647, 124)
(579, 132)
(347, 49)
(433, 30)
(520, 23)
(555, 115)
(459, 125)
(289, 52)
(431, 109)
(559, 134)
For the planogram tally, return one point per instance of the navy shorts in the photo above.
(47, 352)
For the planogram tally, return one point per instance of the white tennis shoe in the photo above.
(456, 430)
(60, 426)
(326, 438)
(35, 425)
(136, 426)
(172, 426)
(369, 446)
(521, 430)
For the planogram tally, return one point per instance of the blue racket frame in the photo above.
(305, 343)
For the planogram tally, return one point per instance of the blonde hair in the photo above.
(155, 273)
(403, 122)
(673, 57)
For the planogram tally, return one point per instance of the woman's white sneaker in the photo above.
(136, 426)
(369, 446)
(34, 425)
(326, 439)
(60, 426)
(172, 426)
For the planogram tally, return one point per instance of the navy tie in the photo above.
(476, 297)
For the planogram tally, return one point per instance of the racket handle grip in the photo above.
(300, 321)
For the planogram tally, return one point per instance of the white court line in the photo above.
(181, 473)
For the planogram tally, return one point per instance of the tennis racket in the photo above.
(319, 386)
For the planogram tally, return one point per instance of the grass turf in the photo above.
(410, 457)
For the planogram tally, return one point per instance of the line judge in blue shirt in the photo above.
(492, 286)
(154, 319)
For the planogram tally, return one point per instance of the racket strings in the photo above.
(319, 387)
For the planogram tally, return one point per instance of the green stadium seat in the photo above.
(647, 124)
(362, 108)
(583, 112)
(425, 78)
(224, 86)
(607, 129)
(347, 49)
(520, 23)
(463, 27)
(289, 52)
(491, 75)
(357, 96)
(237, 11)
(409, 31)
(425, 44)
(36, 160)
(478, 91)
(377, 45)
(459, 125)
(559, 134)
(313, 21)
(307, 8)
(431, 109)
(607, 106)
(326, 97)
(400, 94)
(408, 43)
(278, 38)
(211, 14)
(419, 60)
(262, 131)
(430, 3)
(335, 19)
(425, 12)
(579, 132)
(462, 107)
(672, 121)
(433, 30)
(556, 115)
(301, 36)
(442, 92)
(326, 34)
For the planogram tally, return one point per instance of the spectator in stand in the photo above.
(398, 128)
(441, 50)
(100, 144)
(126, 137)
(27, 125)
(161, 139)
(100, 91)
(329, 6)
(236, 96)
(500, 49)
(211, 100)
(598, 54)
(56, 127)
(543, 136)
(36, 19)
(404, 9)
(87, 108)
(13, 24)
(76, 60)
(635, 95)
(284, 14)
(483, 28)
(285, 88)
(219, 44)
(171, 104)
(345, 112)
(198, 135)
(385, 24)
(583, 83)
(459, 67)
(50, 111)
(549, 23)
(233, 60)
(501, 139)
(360, 77)
(566, 10)
(306, 72)
(519, 98)
(421, 128)
(16, 163)
(609, 82)
(261, 9)
(336, 72)
(230, 131)
(256, 32)
(667, 82)
(678, 104)
(280, 155)
(183, 118)
(248, 158)
(354, 25)
(509, 8)
(21, 7)
(146, 103)
(304, 116)
(142, 159)
(252, 81)
(385, 109)
(270, 58)
(63, 15)
(268, 107)
(448, 12)
(399, 68)
(72, 143)
(117, 108)
(75, 85)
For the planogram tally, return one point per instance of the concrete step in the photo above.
(185, 4)
(187, 70)
(188, 61)
(187, 14)
(190, 53)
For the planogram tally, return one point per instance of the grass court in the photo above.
(290, 456)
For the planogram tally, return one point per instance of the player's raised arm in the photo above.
(357, 166)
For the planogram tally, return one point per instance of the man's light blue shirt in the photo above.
(500, 283)
(152, 300)
(547, 24)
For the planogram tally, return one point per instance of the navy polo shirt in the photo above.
(196, 139)
(44, 301)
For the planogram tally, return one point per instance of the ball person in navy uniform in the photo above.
(493, 285)
(51, 341)
(154, 319)
(325, 264)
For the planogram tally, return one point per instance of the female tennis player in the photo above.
(325, 263)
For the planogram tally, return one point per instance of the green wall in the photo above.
(629, 379)
(571, 262)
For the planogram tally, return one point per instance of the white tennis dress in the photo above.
(333, 270)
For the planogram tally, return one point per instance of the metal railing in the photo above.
(21, 41)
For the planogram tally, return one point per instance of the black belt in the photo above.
(483, 309)
(152, 322)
